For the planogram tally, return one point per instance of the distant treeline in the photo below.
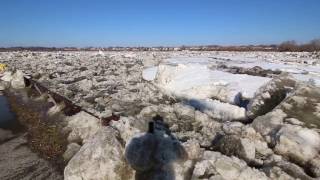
(313, 45)
(288, 46)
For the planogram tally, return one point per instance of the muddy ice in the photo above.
(237, 115)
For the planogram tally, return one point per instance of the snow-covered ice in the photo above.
(303, 68)
(200, 82)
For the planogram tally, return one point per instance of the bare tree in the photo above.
(288, 46)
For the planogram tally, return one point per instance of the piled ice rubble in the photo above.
(14, 80)
(96, 82)
(101, 158)
(232, 126)
(198, 84)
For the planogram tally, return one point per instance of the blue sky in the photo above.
(152, 23)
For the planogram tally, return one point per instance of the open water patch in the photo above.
(8, 119)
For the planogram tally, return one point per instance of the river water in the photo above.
(7, 117)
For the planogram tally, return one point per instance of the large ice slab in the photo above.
(219, 110)
(199, 82)
(149, 73)
(189, 60)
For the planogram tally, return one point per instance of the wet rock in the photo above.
(102, 157)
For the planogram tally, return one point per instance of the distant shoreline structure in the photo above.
(288, 46)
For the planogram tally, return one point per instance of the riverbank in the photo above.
(30, 146)
(18, 161)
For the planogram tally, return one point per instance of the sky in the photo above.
(103, 23)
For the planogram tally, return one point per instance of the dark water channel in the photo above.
(8, 119)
